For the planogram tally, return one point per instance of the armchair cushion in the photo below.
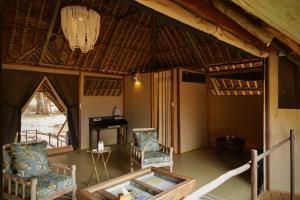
(52, 182)
(147, 140)
(154, 157)
(30, 159)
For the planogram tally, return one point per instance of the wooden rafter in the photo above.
(26, 23)
(196, 50)
(30, 51)
(110, 45)
(201, 8)
(39, 19)
(50, 30)
(13, 34)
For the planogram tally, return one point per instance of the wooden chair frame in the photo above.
(21, 184)
(137, 154)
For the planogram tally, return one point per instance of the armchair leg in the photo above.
(131, 166)
(74, 196)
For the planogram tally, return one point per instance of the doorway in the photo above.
(44, 117)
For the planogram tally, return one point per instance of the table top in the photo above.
(106, 149)
(142, 182)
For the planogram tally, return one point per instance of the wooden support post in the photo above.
(253, 174)
(292, 163)
(1, 100)
(50, 30)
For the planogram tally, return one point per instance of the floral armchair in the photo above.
(146, 151)
(27, 173)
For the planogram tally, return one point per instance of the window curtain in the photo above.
(162, 106)
(19, 86)
(67, 88)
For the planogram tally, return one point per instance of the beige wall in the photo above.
(137, 102)
(280, 123)
(95, 106)
(241, 116)
(193, 116)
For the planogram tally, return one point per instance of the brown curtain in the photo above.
(162, 106)
(19, 86)
(67, 88)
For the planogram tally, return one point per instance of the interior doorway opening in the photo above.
(44, 117)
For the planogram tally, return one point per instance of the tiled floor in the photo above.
(202, 164)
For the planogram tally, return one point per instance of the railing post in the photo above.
(253, 174)
(26, 135)
(292, 163)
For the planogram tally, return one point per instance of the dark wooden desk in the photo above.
(100, 123)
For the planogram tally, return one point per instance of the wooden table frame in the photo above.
(95, 163)
(177, 192)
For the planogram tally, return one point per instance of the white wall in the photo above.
(193, 116)
(137, 102)
(95, 106)
(280, 123)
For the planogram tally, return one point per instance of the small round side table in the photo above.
(104, 160)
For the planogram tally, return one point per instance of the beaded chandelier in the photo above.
(80, 26)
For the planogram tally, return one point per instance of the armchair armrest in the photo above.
(61, 166)
(166, 149)
(70, 168)
(137, 153)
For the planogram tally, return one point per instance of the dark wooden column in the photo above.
(1, 99)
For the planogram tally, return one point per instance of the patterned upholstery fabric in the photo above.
(154, 157)
(30, 159)
(147, 140)
(52, 182)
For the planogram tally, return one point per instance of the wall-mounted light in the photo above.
(137, 78)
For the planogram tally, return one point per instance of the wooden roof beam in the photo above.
(243, 21)
(208, 12)
(265, 34)
(185, 16)
(50, 30)
(237, 71)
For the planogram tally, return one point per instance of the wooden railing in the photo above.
(253, 165)
(33, 135)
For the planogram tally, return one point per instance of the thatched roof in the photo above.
(131, 39)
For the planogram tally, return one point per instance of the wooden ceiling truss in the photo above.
(134, 38)
(130, 40)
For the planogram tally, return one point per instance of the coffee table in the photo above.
(149, 183)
